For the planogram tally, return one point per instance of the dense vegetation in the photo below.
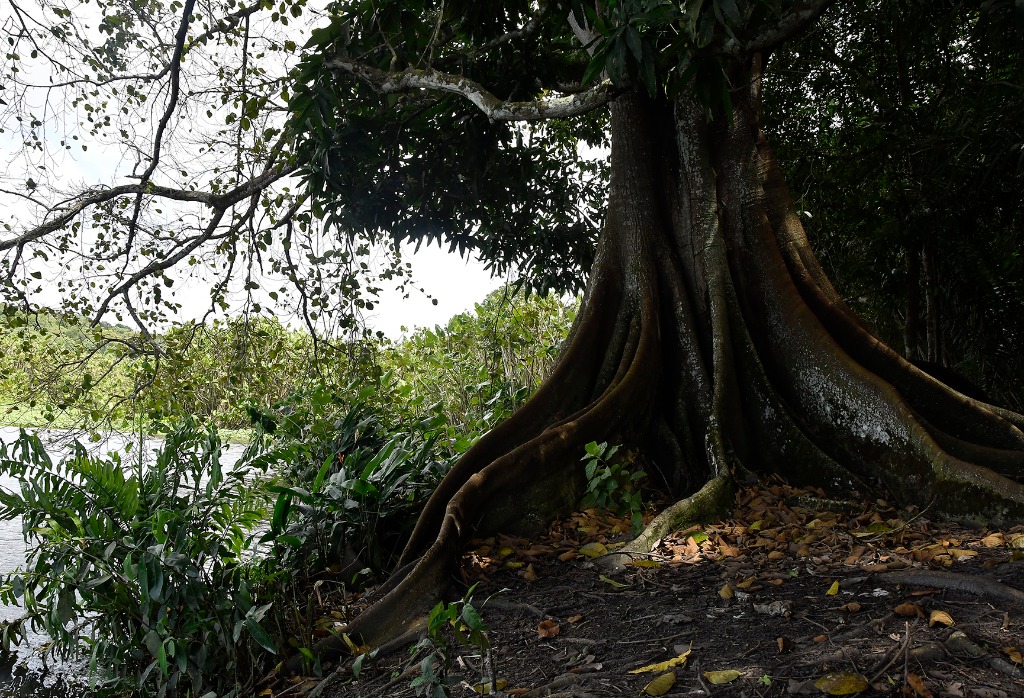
(186, 576)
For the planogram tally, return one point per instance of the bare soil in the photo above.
(795, 595)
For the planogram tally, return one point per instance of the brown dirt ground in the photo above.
(793, 592)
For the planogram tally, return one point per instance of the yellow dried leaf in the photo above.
(662, 666)
(745, 584)
(1014, 654)
(484, 689)
(842, 684)
(717, 678)
(940, 617)
(609, 580)
(644, 563)
(514, 564)
(661, 685)
(726, 591)
(993, 540)
(574, 619)
(352, 646)
(1017, 541)
(506, 550)
(547, 629)
(594, 550)
(834, 589)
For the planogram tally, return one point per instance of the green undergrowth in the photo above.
(174, 575)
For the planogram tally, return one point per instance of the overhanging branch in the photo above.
(411, 79)
(793, 22)
(98, 196)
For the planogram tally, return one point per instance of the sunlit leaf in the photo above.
(663, 666)
(842, 684)
(717, 678)
(594, 550)
(660, 685)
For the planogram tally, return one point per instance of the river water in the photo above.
(28, 674)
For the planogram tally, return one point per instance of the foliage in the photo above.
(461, 620)
(348, 485)
(612, 484)
(141, 565)
(482, 365)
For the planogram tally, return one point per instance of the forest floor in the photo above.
(794, 595)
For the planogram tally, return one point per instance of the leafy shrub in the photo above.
(611, 484)
(348, 486)
(143, 566)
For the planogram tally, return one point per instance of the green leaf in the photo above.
(471, 617)
(260, 635)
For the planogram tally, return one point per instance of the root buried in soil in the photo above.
(791, 590)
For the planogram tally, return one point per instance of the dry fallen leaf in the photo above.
(609, 580)
(940, 617)
(726, 592)
(530, 574)
(717, 678)
(909, 610)
(993, 540)
(662, 666)
(834, 589)
(852, 607)
(745, 584)
(784, 643)
(661, 685)
(1014, 654)
(842, 684)
(574, 619)
(548, 629)
(484, 689)
(917, 685)
(594, 550)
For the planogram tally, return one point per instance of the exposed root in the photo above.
(951, 581)
(712, 501)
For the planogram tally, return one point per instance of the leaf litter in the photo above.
(794, 595)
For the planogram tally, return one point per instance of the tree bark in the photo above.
(710, 339)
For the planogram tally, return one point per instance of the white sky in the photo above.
(456, 284)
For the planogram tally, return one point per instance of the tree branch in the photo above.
(410, 79)
(801, 16)
(97, 196)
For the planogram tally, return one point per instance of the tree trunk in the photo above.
(710, 339)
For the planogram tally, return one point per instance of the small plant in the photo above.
(611, 484)
(462, 620)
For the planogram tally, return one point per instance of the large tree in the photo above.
(709, 338)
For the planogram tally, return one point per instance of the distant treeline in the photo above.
(58, 370)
